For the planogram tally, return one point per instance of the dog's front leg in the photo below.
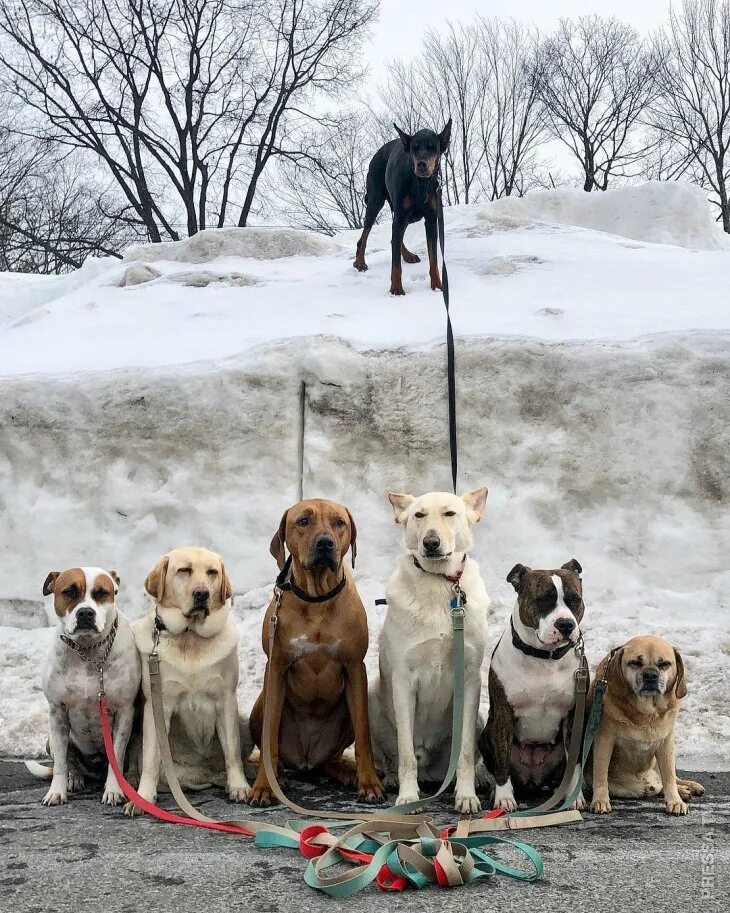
(229, 733)
(431, 242)
(396, 270)
(123, 719)
(369, 786)
(150, 758)
(275, 694)
(667, 762)
(404, 706)
(495, 744)
(60, 727)
(466, 798)
(602, 751)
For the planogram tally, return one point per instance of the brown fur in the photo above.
(69, 589)
(316, 676)
(633, 753)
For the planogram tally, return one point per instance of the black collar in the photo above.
(285, 584)
(557, 653)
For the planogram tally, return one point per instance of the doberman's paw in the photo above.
(410, 257)
(436, 284)
(397, 290)
(361, 266)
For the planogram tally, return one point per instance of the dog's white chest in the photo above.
(540, 692)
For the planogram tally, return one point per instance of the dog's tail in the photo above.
(39, 770)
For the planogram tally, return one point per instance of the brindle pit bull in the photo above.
(315, 673)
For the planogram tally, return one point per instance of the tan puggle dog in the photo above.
(633, 752)
(198, 649)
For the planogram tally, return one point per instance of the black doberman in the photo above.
(405, 173)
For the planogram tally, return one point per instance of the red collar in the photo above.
(452, 579)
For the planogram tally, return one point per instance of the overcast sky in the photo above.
(402, 22)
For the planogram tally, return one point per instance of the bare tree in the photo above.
(511, 122)
(692, 110)
(184, 102)
(326, 191)
(595, 82)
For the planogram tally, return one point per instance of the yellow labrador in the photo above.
(198, 649)
(633, 753)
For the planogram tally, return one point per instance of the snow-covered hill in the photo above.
(593, 388)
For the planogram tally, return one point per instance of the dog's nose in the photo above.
(201, 594)
(565, 627)
(85, 618)
(431, 541)
(650, 677)
(325, 544)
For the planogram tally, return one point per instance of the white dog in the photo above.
(411, 703)
(198, 650)
(92, 632)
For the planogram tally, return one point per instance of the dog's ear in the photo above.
(155, 582)
(226, 590)
(353, 538)
(517, 576)
(400, 503)
(680, 684)
(115, 578)
(573, 566)
(404, 138)
(50, 582)
(616, 679)
(277, 546)
(445, 136)
(475, 502)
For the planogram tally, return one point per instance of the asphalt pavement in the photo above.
(88, 857)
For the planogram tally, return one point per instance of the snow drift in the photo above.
(609, 445)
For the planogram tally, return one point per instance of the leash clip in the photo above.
(581, 680)
(457, 607)
(153, 661)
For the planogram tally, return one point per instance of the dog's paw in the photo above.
(361, 266)
(467, 804)
(406, 797)
(689, 788)
(260, 795)
(75, 782)
(369, 789)
(580, 804)
(600, 806)
(436, 285)
(408, 257)
(677, 807)
(239, 793)
(132, 811)
(504, 797)
(55, 796)
(397, 290)
(112, 797)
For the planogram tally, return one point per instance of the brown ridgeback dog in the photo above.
(316, 675)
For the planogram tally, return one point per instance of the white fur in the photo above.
(411, 702)
(199, 680)
(71, 687)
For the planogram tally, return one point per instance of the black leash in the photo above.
(450, 353)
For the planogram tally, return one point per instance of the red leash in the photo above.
(149, 807)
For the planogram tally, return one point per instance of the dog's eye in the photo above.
(572, 601)
(419, 515)
(450, 513)
(185, 570)
(98, 594)
(634, 663)
(340, 523)
(664, 664)
(71, 591)
(303, 521)
(212, 572)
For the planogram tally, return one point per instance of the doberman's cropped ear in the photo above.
(155, 582)
(404, 138)
(445, 136)
(353, 538)
(517, 576)
(680, 684)
(573, 566)
(277, 545)
(50, 582)
(400, 503)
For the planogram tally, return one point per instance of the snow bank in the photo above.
(657, 212)
(245, 243)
